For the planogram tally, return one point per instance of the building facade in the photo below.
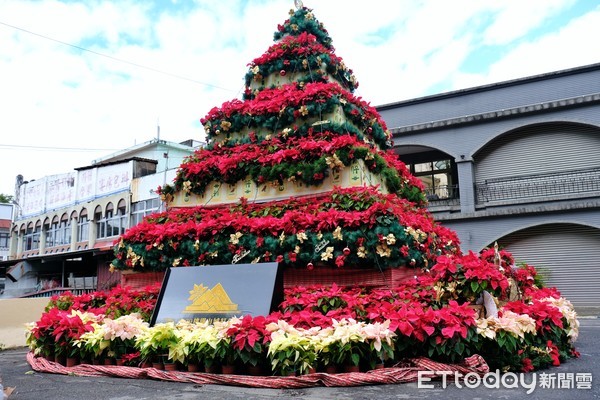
(6, 217)
(65, 225)
(517, 163)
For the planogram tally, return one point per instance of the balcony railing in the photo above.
(57, 292)
(445, 195)
(538, 186)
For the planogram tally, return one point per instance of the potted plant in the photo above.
(250, 339)
(43, 335)
(69, 327)
(198, 344)
(207, 349)
(188, 350)
(154, 343)
(92, 345)
(224, 352)
(380, 340)
(348, 343)
(324, 348)
(39, 339)
(121, 333)
(291, 351)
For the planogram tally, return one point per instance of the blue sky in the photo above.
(81, 79)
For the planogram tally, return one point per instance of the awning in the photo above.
(11, 268)
(17, 271)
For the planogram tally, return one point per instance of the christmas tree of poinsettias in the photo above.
(301, 171)
(312, 164)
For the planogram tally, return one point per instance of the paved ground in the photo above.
(16, 372)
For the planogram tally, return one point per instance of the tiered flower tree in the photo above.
(300, 171)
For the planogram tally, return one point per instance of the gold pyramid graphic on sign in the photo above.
(205, 300)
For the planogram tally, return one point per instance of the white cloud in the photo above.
(551, 52)
(516, 18)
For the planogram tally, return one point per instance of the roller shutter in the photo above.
(567, 255)
(540, 149)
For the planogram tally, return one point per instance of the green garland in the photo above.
(357, 121)
(358, 237)
(313, 75)
(310, 66)
(323, 130)
(311, 171)
(218, 249)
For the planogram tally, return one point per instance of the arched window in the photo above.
(83, 230)
(121, 218)
(28, 237)
(101, 220)
(114, 222)
(64, 231)
(51, 228)
(32, 236)
(37, 234)
(436, 177)
(434, 168)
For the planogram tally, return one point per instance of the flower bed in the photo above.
(347, 227)
(320, 326)
(306, 160)
(264, 112)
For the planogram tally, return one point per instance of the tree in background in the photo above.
(5, 198)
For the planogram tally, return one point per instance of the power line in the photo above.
(49, 148)
(118, 59)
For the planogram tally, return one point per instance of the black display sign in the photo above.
(218, 292)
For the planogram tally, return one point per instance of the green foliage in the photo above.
(325, 304)
(310, 170)
(218, 250)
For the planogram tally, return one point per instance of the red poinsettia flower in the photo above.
(249, 331)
